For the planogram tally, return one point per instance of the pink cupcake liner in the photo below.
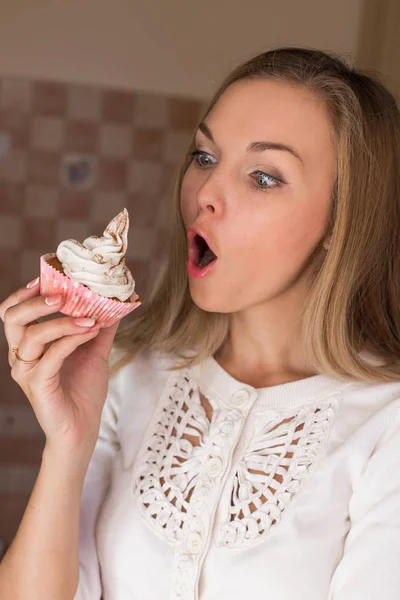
(79, 300)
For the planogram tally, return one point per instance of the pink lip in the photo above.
(193, 231)
(197, 272)
(191, 266)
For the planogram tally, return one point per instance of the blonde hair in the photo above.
(354, 300)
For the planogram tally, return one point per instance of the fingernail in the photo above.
(34, 282)
(51, 300)
(85, 322)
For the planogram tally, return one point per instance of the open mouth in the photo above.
(205, 255)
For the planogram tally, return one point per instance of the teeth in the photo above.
(207, 258)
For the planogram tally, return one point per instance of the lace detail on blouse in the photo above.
(177, 481)
(170, 468)
(279, 459)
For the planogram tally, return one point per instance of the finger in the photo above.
(20, 295)
(37, 336)
(103, 343)
(17, 317)
(53, 360)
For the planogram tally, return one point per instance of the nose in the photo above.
(210, 196)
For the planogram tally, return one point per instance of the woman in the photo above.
(249, 441)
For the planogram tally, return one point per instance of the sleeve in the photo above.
(370, 565)
(95, 487)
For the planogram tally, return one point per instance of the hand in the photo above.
(67, 386)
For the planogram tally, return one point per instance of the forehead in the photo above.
(274, 111)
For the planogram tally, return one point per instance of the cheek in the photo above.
(277, 246)
(299, 233)
(188, 200)
(292, 238)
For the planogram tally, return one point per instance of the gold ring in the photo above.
(26, 362)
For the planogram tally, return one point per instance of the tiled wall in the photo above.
(134, 142)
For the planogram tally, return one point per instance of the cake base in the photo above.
(78, 299)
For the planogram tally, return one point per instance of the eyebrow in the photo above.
(256, 146)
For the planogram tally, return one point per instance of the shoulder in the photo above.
(374, 397)
(136, 390)
(145, 370)
(370, 409)
(379, 399)
(142, 380)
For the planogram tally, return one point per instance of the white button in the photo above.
(227, 427)
(240, 398)
(214, 467)
(194, 543)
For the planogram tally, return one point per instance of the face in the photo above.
(264, 211)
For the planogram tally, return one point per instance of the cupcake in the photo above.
(93, 276)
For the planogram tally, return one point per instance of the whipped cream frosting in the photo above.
(99, 262)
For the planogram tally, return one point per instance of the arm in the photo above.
(54, 547)
(370, 566)
(42, 561)
(66, 380)
(97, 482)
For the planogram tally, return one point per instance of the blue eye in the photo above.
(263, 179)
(260, 182)
(198, 156)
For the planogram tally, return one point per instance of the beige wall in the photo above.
(170, 46)
(379, 41)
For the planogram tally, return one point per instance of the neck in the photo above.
(264, 347)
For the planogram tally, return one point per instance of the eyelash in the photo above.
(278, 183)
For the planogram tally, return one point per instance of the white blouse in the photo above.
(288, 492)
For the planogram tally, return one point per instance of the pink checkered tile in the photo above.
(50, 98)
(16, 94)
(11, 235)
(115, 140)
(13, 169)
(84, 103)
(38, 234)
(47, 133)
(11, 198)
(41, 201)
(112, 174)
(43, 167)
(118, 106)
(76, 204)
(81, 136)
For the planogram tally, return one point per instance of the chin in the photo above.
(213, 303)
